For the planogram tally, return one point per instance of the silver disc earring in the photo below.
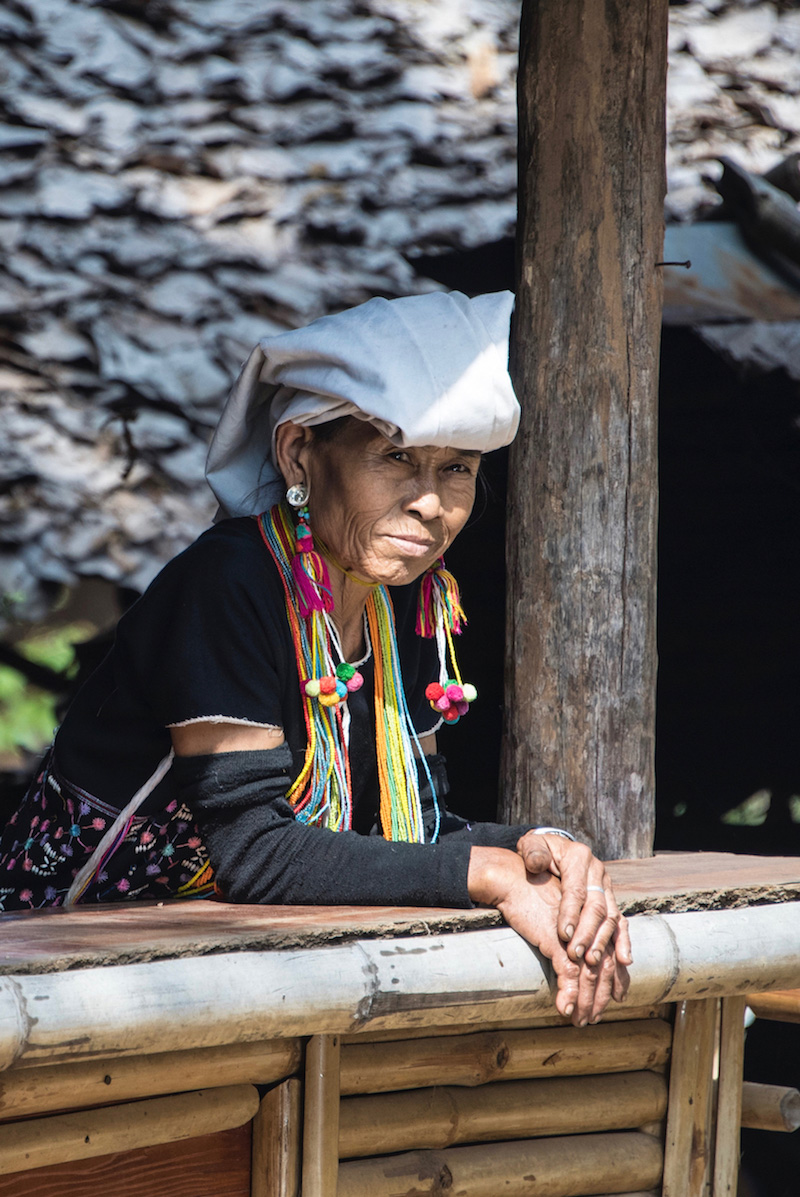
(297, 495)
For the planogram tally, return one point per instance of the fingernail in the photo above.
(596, 1018)
(570, 931)
(579, 950)
(569, 1010)
(582, 1022)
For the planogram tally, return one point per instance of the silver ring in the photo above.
(599, 889)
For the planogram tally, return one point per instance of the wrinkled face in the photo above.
(387, 514)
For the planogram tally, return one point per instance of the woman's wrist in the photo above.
(492, 873)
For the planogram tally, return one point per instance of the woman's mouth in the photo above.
(412, 546)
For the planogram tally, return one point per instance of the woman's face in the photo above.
(386, 514)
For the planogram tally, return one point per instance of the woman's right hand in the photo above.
(530, 904)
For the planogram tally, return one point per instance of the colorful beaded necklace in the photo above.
(321, 793)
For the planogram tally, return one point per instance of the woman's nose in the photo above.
(425, 501)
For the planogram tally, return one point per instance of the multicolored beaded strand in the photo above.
(321, 793)
(441, 614)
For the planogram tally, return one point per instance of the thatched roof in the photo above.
(180, 177)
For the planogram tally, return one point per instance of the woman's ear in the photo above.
(292, 443)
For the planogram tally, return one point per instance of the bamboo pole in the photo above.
(638, 1193)
(513, 1055)
(770, 1107)
(321, 1117)
(93, 1013)
(25, 1091)
(275, 1158)
(587, 1164)
(782, 1006)
(612, 1013)
(687, 1155)
(443, 1117)
(129, 1127)
(729, 1097)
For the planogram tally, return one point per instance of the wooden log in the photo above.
(275, 1167)
(687, 1154)
(511, 1055)
(531, 1168)
(79, 1136)
(530, 1023)
(581, 551)
(729, 1097)
(770, 1107)
(25, 1091)
(321, 1117)
(444, 1117)
(781, 1006)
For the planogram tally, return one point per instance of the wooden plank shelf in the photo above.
(93, 937)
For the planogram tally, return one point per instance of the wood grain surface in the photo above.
(211, 1166)
(55, 940)
(579, 731)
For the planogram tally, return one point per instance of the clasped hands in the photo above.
(558, 896)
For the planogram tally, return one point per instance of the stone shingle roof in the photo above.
(181, 177)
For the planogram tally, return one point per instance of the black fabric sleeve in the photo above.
(206, 641)
(452, 827)
(261, 854)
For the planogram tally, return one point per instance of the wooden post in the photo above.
(690, 1129)
(729, 1097)
(275, 1166)
(321, 1121)
(581, 654)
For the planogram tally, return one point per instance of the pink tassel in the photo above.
(438, 582)
(313, 583)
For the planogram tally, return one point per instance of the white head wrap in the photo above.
(425, 370)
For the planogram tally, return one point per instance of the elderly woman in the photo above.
(267, 721)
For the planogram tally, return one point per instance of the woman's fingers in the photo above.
(585, 921)
(535, 851)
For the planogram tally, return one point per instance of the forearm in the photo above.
(261, 854)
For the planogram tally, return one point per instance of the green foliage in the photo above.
(750, 813)
(27, 713)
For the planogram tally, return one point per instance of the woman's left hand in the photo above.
(589, 920)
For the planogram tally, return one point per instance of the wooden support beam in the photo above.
(581, 649)
(321, 1118)
(25, 1091)
(770, 1107)
(128, 1127)
(275, 1167)
(687, 1154)
(531, 1168)
(727, 1150)
(510, 1055)
(443, 1117)
(781, 1006)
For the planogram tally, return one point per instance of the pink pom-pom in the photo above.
(455, 693)
(442, 704)
(355, 682)
(433, 692)
(462, 707)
